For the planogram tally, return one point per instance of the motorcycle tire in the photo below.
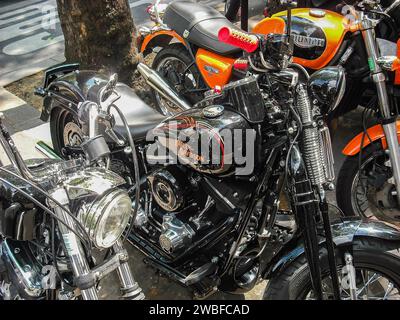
(372, 254)
(348, 174)
(178, 53)
(63, 125)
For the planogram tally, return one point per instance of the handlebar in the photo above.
(240, 39)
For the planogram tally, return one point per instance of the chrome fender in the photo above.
(343, 234)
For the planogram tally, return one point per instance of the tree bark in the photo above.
(100, 35)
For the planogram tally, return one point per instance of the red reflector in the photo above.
(241, 64)
(397, 73)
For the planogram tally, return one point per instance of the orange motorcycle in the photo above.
(192, 59)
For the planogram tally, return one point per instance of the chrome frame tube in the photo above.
(379, 79)
(8, 152)
(129, 287)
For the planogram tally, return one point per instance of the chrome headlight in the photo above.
(107, 218)
(328, 86)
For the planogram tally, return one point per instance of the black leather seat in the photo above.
(199, 24)
(140, 116)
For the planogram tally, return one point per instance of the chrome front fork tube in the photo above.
(389, 120)
(130, 289)
(73, 246)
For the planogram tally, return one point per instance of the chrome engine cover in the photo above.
(175, 234)
(167, 190)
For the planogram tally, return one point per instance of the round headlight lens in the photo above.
(107, 218)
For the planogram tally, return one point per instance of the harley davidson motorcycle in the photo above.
(209, 217)
(54, 214)
(190, 57)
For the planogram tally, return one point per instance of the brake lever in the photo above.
(111, 133)
(108, 121)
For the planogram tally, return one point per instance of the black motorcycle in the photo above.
(62, 224)
(233, 191)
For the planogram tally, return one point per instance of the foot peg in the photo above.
(200, 273)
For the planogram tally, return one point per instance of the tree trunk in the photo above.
(100, 35)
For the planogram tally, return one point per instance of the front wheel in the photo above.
(367, 186)
(377, 272)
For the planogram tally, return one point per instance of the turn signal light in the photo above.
(397, 74)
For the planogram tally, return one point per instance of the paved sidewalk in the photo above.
(24, 124)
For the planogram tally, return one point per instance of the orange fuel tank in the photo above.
(318, 35)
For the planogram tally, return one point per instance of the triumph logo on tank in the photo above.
(307, 42)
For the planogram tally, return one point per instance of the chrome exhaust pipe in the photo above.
(154, 80)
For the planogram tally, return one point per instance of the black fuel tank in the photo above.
(214, 140)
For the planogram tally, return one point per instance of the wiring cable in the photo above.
(135, 166)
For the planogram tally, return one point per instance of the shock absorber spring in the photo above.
(311, 140)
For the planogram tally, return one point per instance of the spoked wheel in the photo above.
(377, 274)
(176, 66)
(370, 285)
(367, 186)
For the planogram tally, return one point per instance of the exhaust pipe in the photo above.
(154, 80)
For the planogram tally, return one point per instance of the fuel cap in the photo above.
(213, 111)
(317, 13)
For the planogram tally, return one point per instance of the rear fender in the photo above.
(374, 133)
(159, 39)
(344, 234)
